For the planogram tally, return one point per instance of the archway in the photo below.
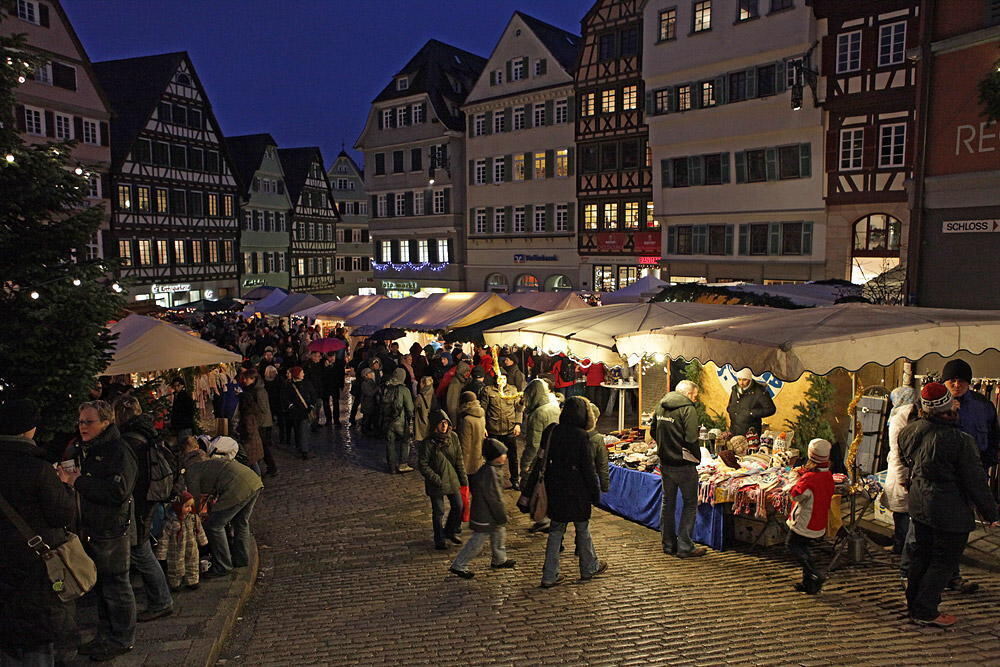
(527, 283)
(558, 283)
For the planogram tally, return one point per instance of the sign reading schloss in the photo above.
(958, 226)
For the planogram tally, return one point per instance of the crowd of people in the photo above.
(481, 422)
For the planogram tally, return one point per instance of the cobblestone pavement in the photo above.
(349, 576)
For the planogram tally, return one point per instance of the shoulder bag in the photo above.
(311, 410)
(534, 498)
(69, 568)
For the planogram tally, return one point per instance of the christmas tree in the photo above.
(55, 303)
(811, 421)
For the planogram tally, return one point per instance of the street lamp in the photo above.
(804, 74)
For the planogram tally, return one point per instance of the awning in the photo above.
(145, 344)
(592, 332)
(343, 309)
(474, 332)
(818, 340)
(262, 292)
(382, 314)
(290, 304)
(545, 302)
(451, 311)
(274, 298)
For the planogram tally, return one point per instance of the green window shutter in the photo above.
(671, 240)
(550, 166)
(472, 221)
(508, 162)
(529, 218)
(543, 66)
(805, 160)
(779, 76)
(508, 219)
(529, 118)
(525, 63)
(571, 108)
(550, 118)
(529, 166)
(696, 174)
(390, 205)
(772, 163)
(807, 238)
(729, 240)
(489, 219)
(508, 118)
(428, 199)
(751, 82)
(699, 240)
(721, 94)
(472, 172)
(489, 169)
(774, 238)
(671, 100)
(695, 94)
(744, 239)
(667, 172)
(650, 109)
(510, 69)
(447, 200)
(571, 160)
(741, 167)
(571, 216)
(493, 78)
(724, 160)
(489, 122)
(408, 203)
(550, 217)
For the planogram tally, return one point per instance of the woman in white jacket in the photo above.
(904, 410)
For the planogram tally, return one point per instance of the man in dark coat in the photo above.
(675, 429)
(946, 474)
(182, 411)
(105, 483)
(333, 386)
(315, 369)
(749, 404)
(976, 415)
(439, 460)
(31, 614)
(572, 487)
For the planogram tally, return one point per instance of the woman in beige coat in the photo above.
(424, 403)
(471, 431)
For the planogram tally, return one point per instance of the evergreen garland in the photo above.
(694, 292)
(55, 304)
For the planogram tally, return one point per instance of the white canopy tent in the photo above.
(274, 298)
(789, 343)
(593, 332)
(640, 291)
(340, 310)
(382, 314)
(546, 301)
(146, 344)
(451, 310)
(803, 294)
(290, 304)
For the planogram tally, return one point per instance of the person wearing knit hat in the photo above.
(904, 410)
(811, 497)
(396, 415)
(946, 479)
(471, 431)
(19, 417)
(489, 516)
(749, 404)
(977, 416)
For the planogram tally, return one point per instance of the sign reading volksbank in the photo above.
(521, 259)
(957, 226)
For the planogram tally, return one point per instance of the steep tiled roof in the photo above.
(246, 152)
(563, 45)
(295, 162)
(354, 165)
(445, 73)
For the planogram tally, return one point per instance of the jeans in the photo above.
(934, 561)
(215, 529)
(154, 582)
(799, 548)
(584, 550)
(684, 478)
(475, 544)
(397, 449)
(900, 529)
(299, 435)
(36, 656)
(115, 599)
(510, 442)
(570, 390)
(446, 527)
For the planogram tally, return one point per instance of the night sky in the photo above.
(304, 70)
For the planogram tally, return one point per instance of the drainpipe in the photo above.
(924, 71)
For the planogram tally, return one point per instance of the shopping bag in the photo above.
(466, 502)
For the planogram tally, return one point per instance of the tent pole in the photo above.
(638, 416)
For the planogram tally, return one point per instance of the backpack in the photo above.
(567, 370)
(389, 407)
(163, 470)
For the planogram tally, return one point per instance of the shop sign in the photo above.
(649, 261)
(253, 282)
(621, 243)
(401, 285)
(521, 259)
(169, 289)
(727, 378)
(959, 226)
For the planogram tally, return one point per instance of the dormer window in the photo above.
(403, 83)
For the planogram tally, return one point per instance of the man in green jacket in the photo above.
(396, 411)
(236, 488)
(541, 408)
(439, 460)
(676, 434)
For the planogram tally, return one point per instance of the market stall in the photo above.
(273, 298)
(546, 302)
(340, 310)
(640, 291)
(146, 344)
(473, 333)
(290, 304)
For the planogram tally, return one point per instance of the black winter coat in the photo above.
(182, 411)
(30, 612)
(570, 478)
(676, 429)
(333, 377)
(138, 433)
(294, 407)
(750, 409)
(105, 485)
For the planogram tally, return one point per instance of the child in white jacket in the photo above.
(182, 534)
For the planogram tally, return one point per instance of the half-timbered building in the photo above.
(353, 265)
(314, 220)
(173, 192)
(618, 235)
(264, 212)
(870, 105)
(738, 188)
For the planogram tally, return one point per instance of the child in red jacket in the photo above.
(811, 496)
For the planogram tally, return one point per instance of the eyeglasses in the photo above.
(87, 422)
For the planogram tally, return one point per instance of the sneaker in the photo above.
(550, 584)
(147, 615)
(109, 652)
(465, 574)
(942, 621)
(506, 565)
(602, 567)
(694, 553)
(404, 468)
(962, 585)
(454, 539)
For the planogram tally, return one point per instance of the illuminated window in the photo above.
(125, 197)
(519, 167)
(196, 257)
(590, 216)
(404, 251)
(588, 104)
(142, 198)
(423, 254)
(611, 215)
(630, 98)
(227, 206)
(213, 204)
(125, 251)
(562, 162)
(539, 170)
(608, 101)
(702, 16)
(145, 252)
(651, 222)
(668, 24)
(161, 200)
(162, 253)
(631, 215)
(180, 254)
(443, 255)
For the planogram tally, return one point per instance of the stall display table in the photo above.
(637, 496)
(620, 396)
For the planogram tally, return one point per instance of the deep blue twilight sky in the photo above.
(304, 70)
